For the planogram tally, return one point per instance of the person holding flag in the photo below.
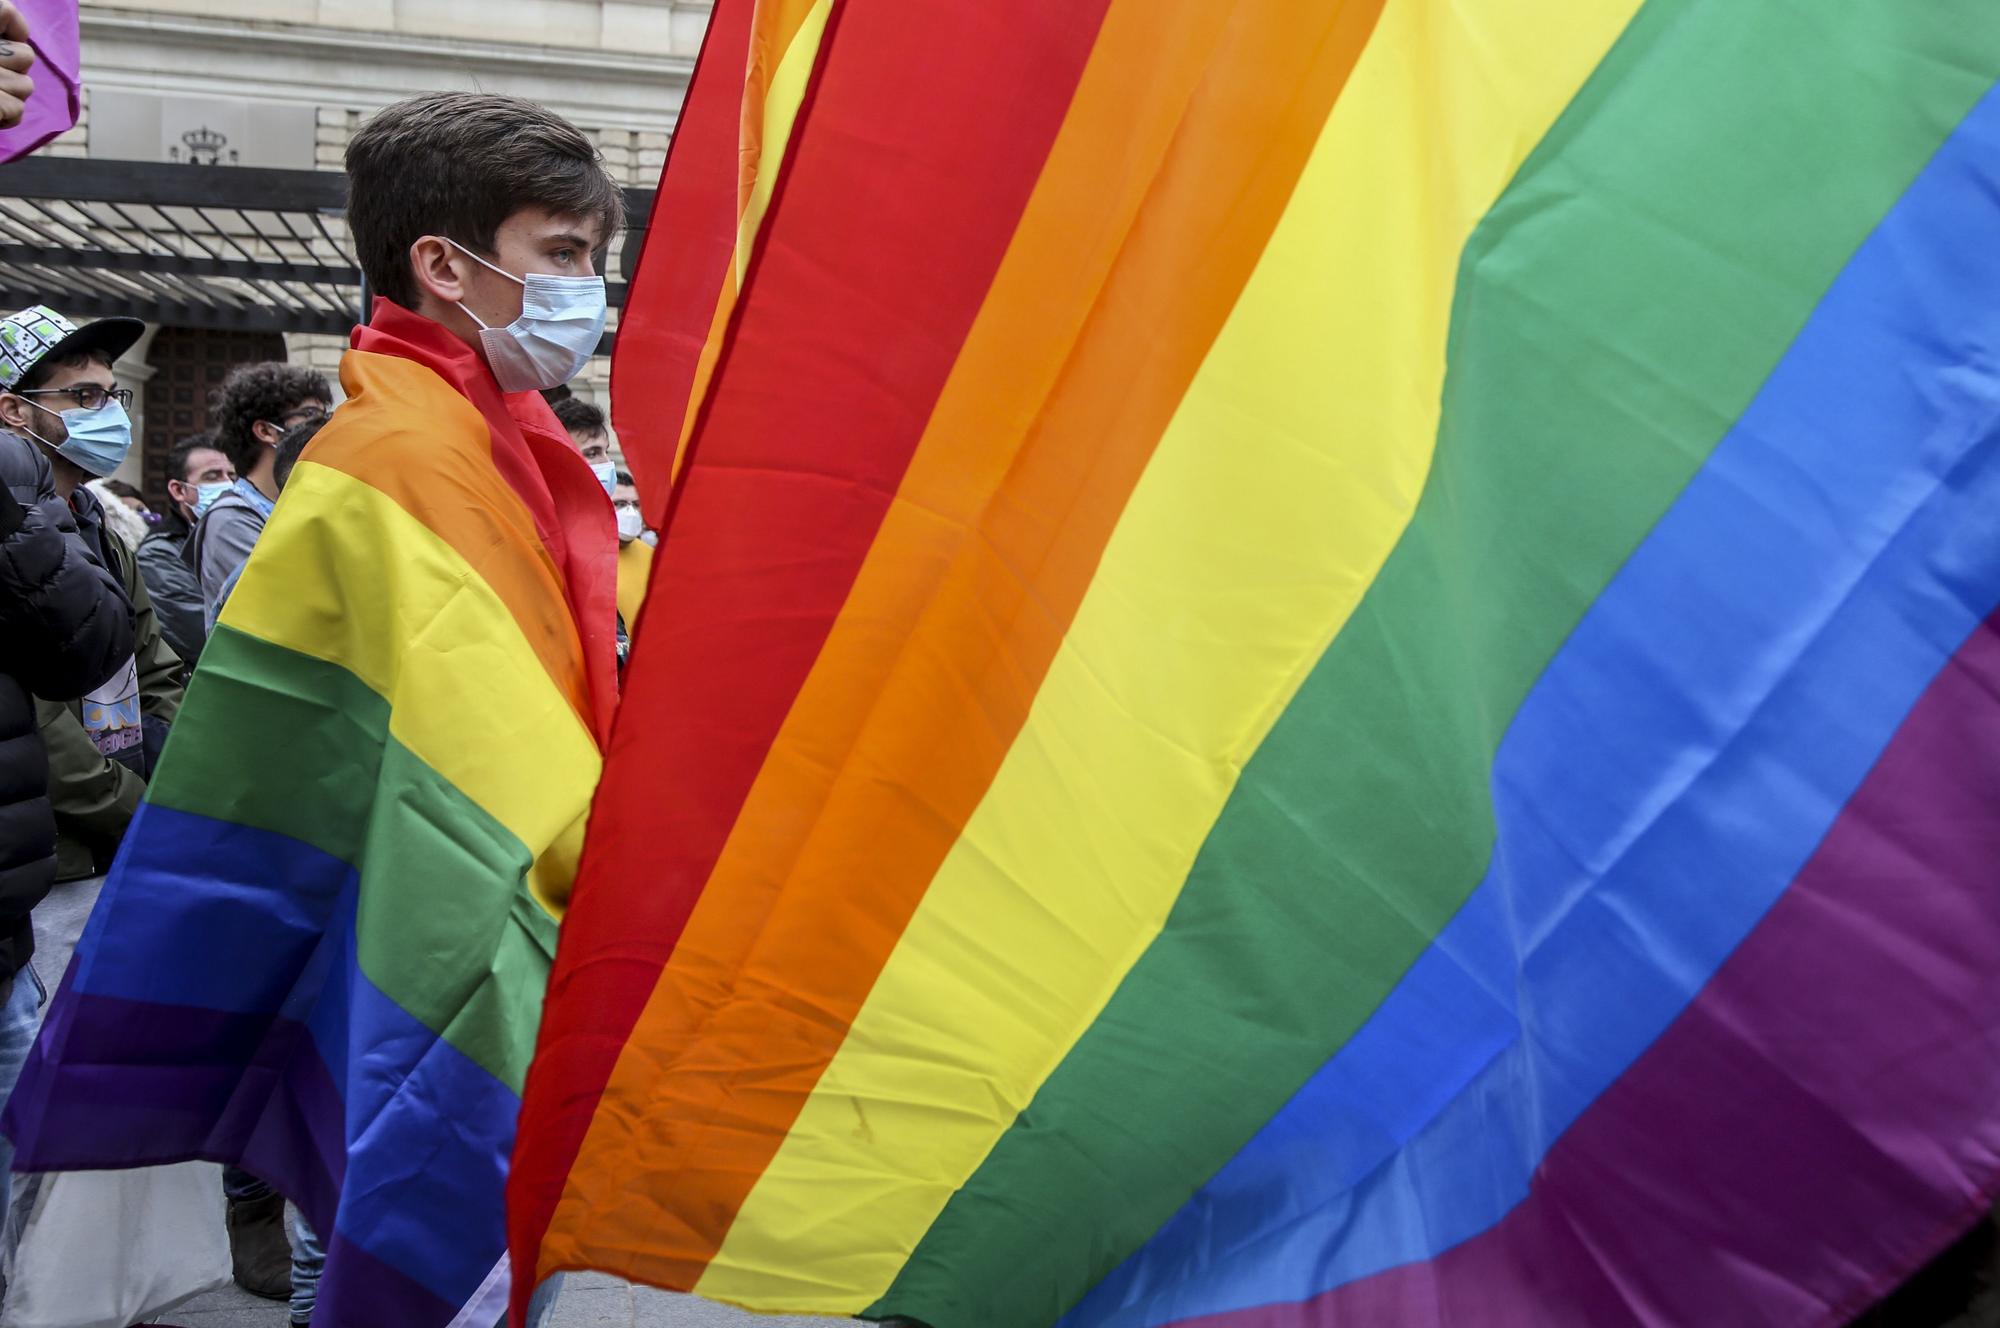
(322, 955)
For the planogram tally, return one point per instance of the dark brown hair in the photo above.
(459, 164)
(580, 418)
(260, 391)
(183, 452)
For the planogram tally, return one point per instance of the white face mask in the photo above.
(607, 475)
(206, 494)
(631, 524)
(98, 439)
(561, 322)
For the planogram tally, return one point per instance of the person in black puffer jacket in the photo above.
(65, 627)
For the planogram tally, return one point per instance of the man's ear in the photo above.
(267, 433)
(16, 412)
(433, 264)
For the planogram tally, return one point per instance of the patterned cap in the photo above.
(28, 337)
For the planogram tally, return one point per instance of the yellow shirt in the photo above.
(635, 564)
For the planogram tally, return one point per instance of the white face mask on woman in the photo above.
(561, 322)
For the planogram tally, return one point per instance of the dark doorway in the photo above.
(189, 363)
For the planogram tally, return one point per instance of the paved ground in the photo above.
(589, 1300)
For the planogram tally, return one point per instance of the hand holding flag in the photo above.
(35, 109)
(15, 57)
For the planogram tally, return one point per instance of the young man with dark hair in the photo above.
(252, 409)
(198, 474)
(585, 425)
(373, 810)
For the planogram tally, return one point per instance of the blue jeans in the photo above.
(308, 1262)
(20, 1018)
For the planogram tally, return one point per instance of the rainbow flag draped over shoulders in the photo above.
(1312, 663)
(323, 948)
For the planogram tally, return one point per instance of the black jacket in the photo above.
(65, 627)
(167, 568)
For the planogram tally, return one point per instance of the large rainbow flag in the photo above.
(1313, 662)
(323, 948)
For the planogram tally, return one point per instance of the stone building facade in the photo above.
(285, 83)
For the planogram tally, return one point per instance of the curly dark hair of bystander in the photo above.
(261, 393)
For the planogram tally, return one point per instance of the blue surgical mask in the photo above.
(607, 475)
(561, 322)
(205, 496)
(98, 439)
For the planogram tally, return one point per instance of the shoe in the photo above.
(260, 1254)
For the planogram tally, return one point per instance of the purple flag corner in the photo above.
(52, 29)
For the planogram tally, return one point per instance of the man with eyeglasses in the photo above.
(256, 406)
(58, 394)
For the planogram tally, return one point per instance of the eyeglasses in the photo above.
(87, 396)
(309, 415)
